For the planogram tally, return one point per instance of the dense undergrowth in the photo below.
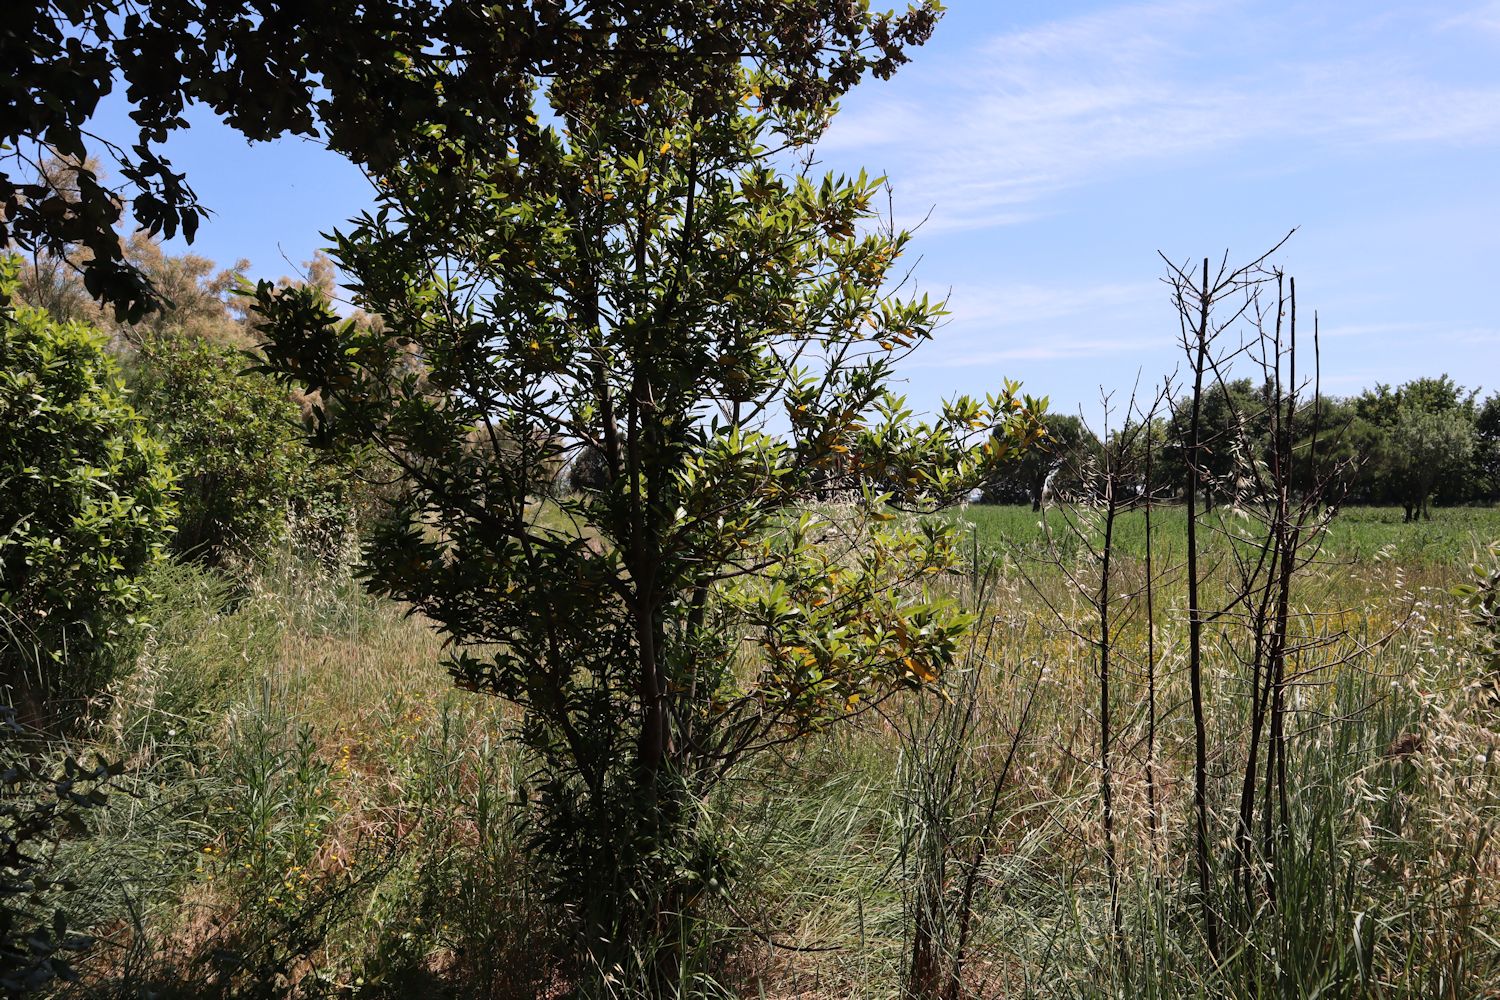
(306, 808)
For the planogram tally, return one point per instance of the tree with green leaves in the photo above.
(1487, 449)
(364, 77)
(1428, 446)
(1232, 419)
(235, 440)
(1061, 453)
(637, 280)
(1343, 449)
(1414, 440)
(86, 505)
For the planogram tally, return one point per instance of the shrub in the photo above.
(85, 507)
(236, 442)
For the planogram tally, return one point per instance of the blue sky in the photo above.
(1054, 148)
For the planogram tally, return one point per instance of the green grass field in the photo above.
(1358, 535)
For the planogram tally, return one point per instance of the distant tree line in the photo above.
(1428, 441)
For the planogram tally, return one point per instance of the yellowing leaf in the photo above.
(920, 670)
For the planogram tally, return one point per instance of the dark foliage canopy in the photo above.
(374, 79)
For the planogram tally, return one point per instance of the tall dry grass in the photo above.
(310, 809)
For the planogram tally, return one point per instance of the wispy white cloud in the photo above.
(1349, 381)
(1019, 118)
(1427, 331)
(1031, 322)
(1006, 304)
(1004, 348)
(1484, 17)
(1476, 336)
(1368, 329)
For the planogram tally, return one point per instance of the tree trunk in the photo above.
(655, 725)
(1206, 900)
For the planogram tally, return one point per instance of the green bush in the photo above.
(86, 504)
(236, 442)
